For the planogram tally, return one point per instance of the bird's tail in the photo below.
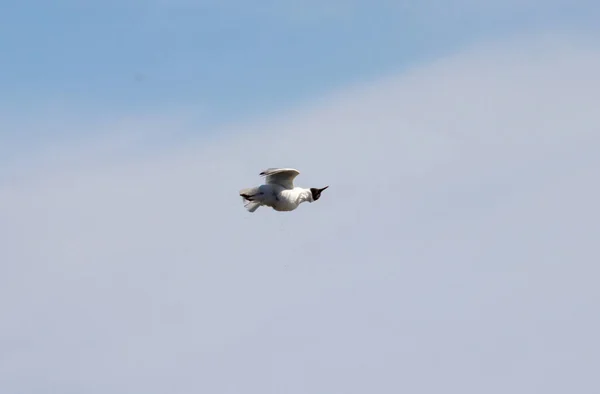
(250, 198)
(252, 206)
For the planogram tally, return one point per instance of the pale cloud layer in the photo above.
(455, 250)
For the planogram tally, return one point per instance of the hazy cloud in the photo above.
(455, 250)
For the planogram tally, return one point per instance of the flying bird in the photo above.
(278, 191)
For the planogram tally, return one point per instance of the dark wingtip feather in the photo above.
(266, 172)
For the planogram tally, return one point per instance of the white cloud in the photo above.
(455, 250)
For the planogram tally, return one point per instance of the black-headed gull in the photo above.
(278, 191)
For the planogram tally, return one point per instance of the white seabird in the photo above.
(278, 191)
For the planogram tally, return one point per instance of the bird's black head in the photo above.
(316, 193)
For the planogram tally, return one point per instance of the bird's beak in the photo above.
(320, 190)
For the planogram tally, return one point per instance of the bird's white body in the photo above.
(278, 192)
(287, 199)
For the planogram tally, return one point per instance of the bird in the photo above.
(279, 192)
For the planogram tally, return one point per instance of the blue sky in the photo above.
(85, 63)
(233, 59)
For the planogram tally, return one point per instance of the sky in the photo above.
(454, 251)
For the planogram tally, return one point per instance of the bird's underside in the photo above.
(265, 195)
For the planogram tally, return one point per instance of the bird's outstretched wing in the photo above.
(280, 176)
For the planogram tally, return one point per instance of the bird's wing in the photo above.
(280, 176)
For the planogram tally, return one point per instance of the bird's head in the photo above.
(316, 193)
